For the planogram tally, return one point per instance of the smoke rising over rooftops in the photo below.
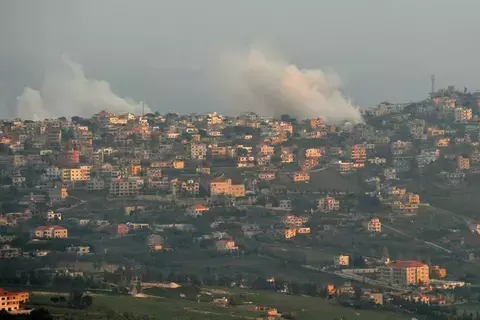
(274, 87)
(67, 92)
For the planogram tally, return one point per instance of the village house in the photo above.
(50, 232)
(197, 210)
(328, 204)
(374, 225)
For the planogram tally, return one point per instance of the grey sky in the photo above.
(161, 51)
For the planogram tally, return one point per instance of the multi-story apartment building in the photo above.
(358, 153)
(124, 188)
(58, 193)
(390, 173)
(328, 204)
(266, 150)
(404, 273)
(96, 184)
(190, 187)
(12, 301)
(76, 174)
(197, 150)
(225, 187)
(374, 225)
(51, 232)
(377, 160)
(427, 156)
(463, 163)
(218, 152)
(343, 166)
(442, 142)
(463, 114)
(313, 153)
(72, 156)
(400, 147)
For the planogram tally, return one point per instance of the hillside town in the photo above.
(375, 215)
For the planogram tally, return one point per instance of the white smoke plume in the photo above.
(67, 92)
(275, 87)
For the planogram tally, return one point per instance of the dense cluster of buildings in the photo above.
(199, 162)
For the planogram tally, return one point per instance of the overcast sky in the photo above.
(162, 51)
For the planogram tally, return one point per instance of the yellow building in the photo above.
(179, 164)
(290, 233)
(341, 260)
(135, 169)
(217, 151)
(11, 301)
(76, 174)
(313, 153)
(443, 142)
(303, 230)
(51, 232)
(413, 198)
(434, 132)
(404, 273)
(300, 176)
(463, 163)
(225, 187)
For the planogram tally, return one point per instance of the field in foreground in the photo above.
(172, 308)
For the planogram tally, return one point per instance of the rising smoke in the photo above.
(67, 92)
(274, 87)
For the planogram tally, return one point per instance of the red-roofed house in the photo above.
(404, 273)
(197, 210)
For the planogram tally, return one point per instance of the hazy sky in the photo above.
(163, 51)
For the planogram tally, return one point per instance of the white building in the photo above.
(328, 204)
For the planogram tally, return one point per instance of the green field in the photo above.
(176, 308)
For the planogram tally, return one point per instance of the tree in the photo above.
(87, 301)
(54, 299)
(40, 314)
(75, 299)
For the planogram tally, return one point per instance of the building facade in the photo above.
(404, 273)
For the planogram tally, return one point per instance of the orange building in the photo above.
(358, 153)
(122, 229)
(413, 198)
(301, 176)
(439, 272)
(225, 187)
(51, 232)
(11, 301)
(72, 156)
(405, 273)
(290, 233)
(463, 163)
(315, 123)
(135, 169)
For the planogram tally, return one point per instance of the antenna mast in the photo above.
(432, 78)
